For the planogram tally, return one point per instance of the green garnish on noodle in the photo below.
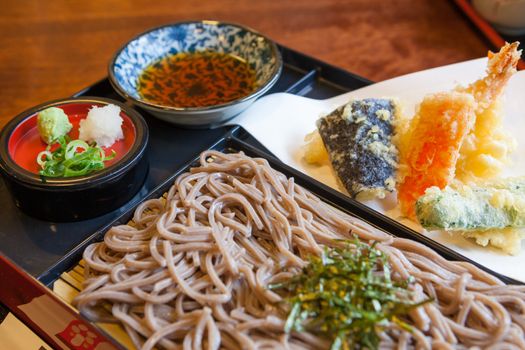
(347, 294)
(71, 158)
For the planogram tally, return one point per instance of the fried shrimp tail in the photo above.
(500, 67)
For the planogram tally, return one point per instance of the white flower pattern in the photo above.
(82, 337)
(191, 37)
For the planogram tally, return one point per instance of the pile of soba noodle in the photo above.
(191, 270)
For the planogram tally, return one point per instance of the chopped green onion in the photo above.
(43, 157)
(73, 146)
(72, 158)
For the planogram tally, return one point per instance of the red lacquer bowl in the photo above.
(73, 198)
(25, 142)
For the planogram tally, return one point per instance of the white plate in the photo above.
(280, 122)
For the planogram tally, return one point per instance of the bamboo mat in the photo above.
(69, 284)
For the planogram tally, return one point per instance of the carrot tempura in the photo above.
(435, 136)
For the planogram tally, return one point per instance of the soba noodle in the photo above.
(191, 270)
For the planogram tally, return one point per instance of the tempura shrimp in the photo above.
(486, 149)
(500, 67)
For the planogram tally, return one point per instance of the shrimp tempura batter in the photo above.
(487, 147)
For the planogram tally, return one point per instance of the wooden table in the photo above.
(51, 49)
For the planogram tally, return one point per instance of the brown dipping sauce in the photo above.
(196, 79)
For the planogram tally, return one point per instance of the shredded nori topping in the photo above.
(348, 295)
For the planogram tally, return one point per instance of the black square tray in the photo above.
(233, 141)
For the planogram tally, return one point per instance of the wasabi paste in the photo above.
(52, 124)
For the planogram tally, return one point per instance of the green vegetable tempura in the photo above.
(494, 204)
(52, 124)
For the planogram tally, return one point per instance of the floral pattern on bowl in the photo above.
(259, 52)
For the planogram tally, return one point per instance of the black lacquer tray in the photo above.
(37, 245)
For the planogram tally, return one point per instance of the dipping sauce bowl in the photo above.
(248, 47)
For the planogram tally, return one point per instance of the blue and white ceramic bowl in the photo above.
(259, 52)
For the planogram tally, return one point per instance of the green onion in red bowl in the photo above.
(75, 158)
(72, 158)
